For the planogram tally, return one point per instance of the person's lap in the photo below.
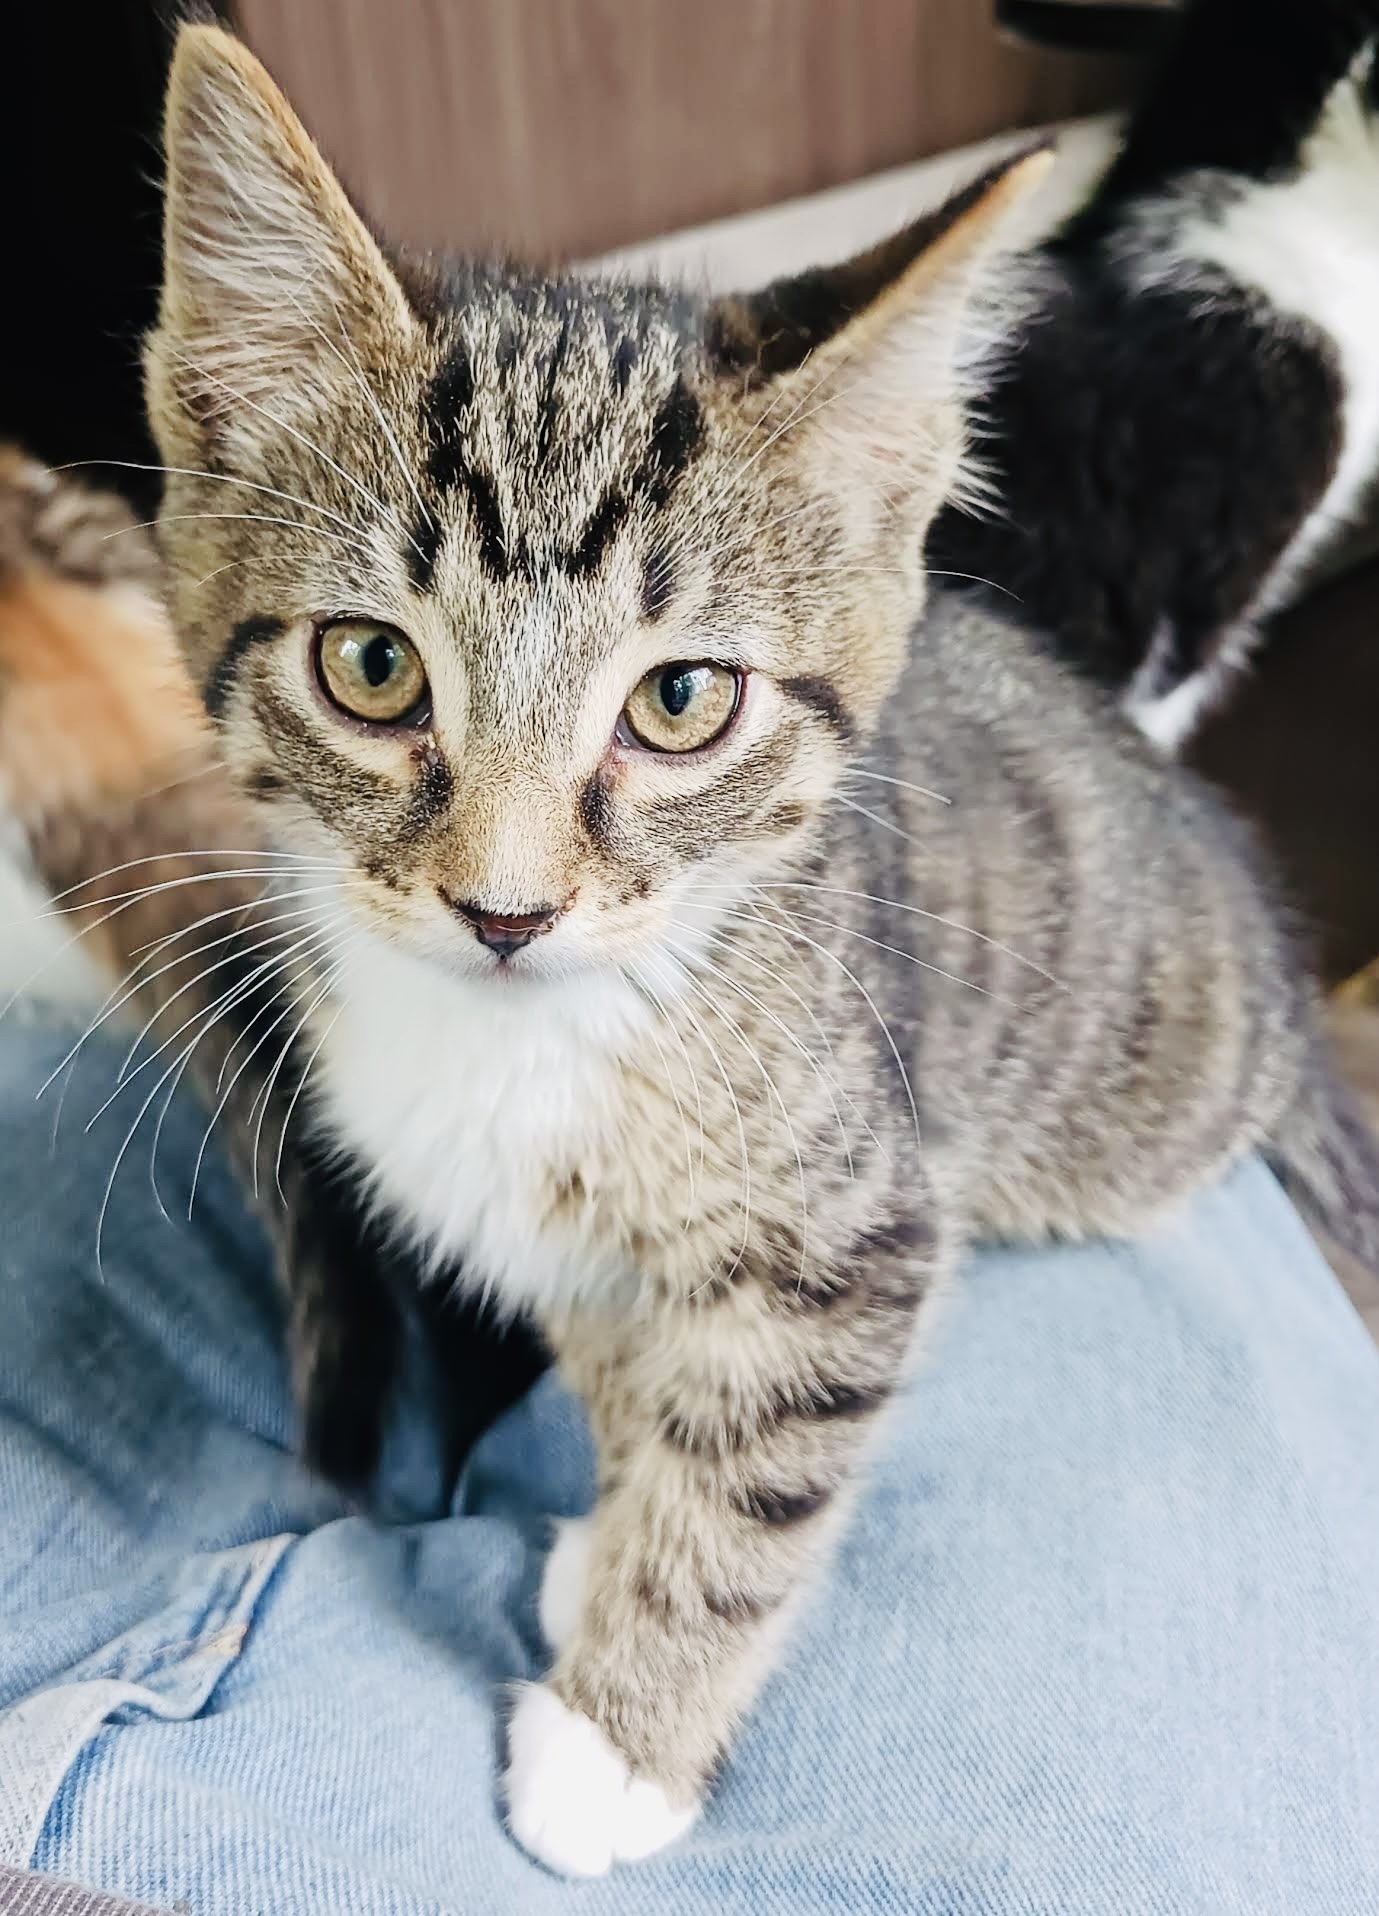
(1103, 1637)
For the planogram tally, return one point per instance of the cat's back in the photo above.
(1129, 1013)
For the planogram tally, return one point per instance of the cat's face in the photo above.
(547, 612)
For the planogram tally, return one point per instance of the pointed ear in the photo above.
(870, 361)
(263, 253)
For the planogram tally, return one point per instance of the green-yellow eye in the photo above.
(683, 706)
(371, 672)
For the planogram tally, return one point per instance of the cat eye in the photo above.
(682, 707)
(372, 672)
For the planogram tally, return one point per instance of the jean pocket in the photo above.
(167, 1665)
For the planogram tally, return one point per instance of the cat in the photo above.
(1190, 414)
(720, 930)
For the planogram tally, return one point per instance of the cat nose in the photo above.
(505, 932)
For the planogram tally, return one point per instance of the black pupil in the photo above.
(379, 658)
(677, 689)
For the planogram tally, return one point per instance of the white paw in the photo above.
(573, 1803)
(563, 1581)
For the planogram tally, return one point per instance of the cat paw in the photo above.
(563, 1581)
(572, 1802)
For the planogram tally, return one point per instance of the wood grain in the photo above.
(556, 128)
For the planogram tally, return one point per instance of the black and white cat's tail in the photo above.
(1326, 1157)
(1191, 416)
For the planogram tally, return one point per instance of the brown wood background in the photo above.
(561, 127)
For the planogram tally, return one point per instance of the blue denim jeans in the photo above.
(1103, 1639)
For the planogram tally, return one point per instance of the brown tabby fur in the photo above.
(812, 1028)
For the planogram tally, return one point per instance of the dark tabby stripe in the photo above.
(676, 436)
(658, 584)
(247, 634)
(423, 550)
(821, 696)
(737, 1606)
(446, 401)
(432, 793)
(602, 529)
(781, 1507)
(596, 810)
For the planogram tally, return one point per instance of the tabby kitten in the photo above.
(718, 940)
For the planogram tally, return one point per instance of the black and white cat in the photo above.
(1191, 414)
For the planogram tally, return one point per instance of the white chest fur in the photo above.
(475, 1105)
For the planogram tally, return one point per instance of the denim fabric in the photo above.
(1103, 1639)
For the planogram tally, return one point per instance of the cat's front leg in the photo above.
(737, 1430)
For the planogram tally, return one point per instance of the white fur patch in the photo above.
(572, 1802)
(466, 1097)
(564, 1580)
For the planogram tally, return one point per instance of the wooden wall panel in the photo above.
(562, 127)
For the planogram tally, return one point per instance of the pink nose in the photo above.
(505, 932)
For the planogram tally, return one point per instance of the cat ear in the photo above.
(868, 362)
(267, 266)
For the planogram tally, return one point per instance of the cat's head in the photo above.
(546, 600)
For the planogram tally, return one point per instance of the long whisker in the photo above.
(281, 425)
(238, 989)
(224, 479)
(273, 937)
(658, 1005)
(953, 977)
(177, 884)
(713, 1051)
(833, 958)
(782, 983)
(905, 784)
(266, 1094)
(914, 911)
(195, 851)
(258, 1045)
(179, 1061)
(248, 518)
(301, 1085)
(773, 1091)
(130, 990)
(826, 1079)
(299, 956)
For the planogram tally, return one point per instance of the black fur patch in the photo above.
(821, 696)
(1156, 451)
(1276, 72)
(247, 634)
(626, 354)
(1153, 465)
